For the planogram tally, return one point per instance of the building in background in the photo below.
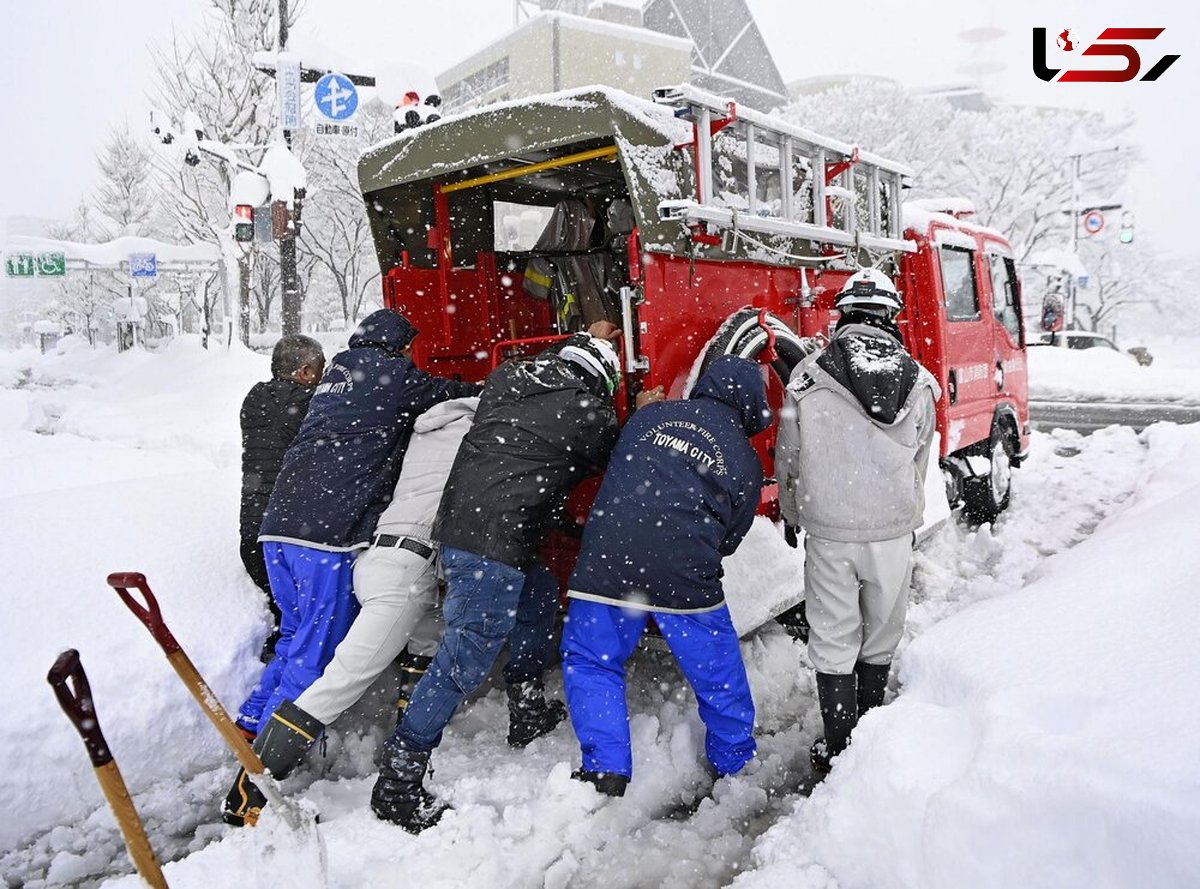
(564, 44)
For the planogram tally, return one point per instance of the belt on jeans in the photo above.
(413, 546)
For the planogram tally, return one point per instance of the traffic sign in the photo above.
(287, 78)
(52, 264)
(335, 97)
(143, 265)
(19, 265)
(1093, 222)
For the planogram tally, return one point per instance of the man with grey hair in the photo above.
(271, 416)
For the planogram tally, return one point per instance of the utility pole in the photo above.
(1076, 212)
(289, 278)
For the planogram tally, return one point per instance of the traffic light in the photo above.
(1126, 234)
(243, 223)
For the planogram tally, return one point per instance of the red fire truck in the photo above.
(700, 228)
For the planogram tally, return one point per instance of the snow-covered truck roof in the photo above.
(396, 175)
(643, 158)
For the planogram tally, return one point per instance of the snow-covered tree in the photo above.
(335, 232)
(209, 78)
(1012, 162)
(127, 199)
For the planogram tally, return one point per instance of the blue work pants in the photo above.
(313, 589)
(487, 603)
(599, 638)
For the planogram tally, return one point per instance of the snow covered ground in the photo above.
(1044, 734)
(1101, 374)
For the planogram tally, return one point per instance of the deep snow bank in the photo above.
(118, 462)
(1043, 738)
(1100, 374)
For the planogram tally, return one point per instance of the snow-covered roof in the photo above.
(1059, 258)
(115, 253)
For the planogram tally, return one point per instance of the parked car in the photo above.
(1086, 339)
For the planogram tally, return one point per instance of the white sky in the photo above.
(70, 70)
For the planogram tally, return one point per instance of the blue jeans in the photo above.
(313, 589)
(599, 638)
(487, 603)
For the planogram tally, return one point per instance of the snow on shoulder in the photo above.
(1046, 737)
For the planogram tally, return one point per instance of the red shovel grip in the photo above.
(77, 703)
(149, 614)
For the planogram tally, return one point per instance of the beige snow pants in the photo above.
(856, 597)
(397, 590)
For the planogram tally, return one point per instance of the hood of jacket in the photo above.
(445, 413)
(874, 368)
(737, 382)
(384, 329)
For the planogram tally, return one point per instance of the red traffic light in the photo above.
(243, 218)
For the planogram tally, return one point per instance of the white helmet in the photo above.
(596, 357)
(869, 290)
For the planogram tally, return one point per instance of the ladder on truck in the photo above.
(864, 188)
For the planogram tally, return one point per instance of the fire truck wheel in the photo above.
(986, 497)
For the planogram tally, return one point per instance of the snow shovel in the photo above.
(76, 701)
(296, 815)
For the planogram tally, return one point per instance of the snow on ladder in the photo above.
(764, 180)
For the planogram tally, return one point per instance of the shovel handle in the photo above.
(74, 694)
(149, 613)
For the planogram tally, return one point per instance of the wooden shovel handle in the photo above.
(149, 614)
(136, 841)
(71, 687)
(70, 684)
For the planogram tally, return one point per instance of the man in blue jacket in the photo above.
(680, 492)
(336, 479)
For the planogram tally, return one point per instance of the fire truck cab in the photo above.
(700, 228)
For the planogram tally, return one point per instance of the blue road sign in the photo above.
(143, 265)
(336, 97)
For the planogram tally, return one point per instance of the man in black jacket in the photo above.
(542, 425)
(271, 416)
(336, 479)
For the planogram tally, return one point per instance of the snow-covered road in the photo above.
(129, 480)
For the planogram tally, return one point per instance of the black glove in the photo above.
(789, 535)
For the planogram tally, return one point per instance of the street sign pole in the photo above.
(289, 278)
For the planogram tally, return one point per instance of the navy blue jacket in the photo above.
(339, 473)
(681, 490)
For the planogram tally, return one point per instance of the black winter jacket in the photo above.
(539, 430)
(271, 416)
(680, 492)
(339, 473)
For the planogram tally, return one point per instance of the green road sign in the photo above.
(19, 265)
(52, 265)
(45, 265)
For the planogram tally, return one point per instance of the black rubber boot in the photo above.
(281, 746)
(872, 684)
(839, 712)
(398, 796)
(412, 668)
(530, 715)
(608, 783)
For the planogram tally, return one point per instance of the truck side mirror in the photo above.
(1052, 312)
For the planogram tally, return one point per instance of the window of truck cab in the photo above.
(1006, 306)
(958, 283)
